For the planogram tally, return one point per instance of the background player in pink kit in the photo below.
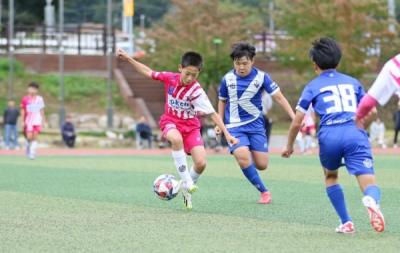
(180, 124)
(386, 84)
(33, 118)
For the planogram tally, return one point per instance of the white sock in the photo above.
(28, 147)
(194, 175)
(33, 148)
(182, 168)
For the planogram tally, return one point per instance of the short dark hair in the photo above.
(243, 49)
(33, 85)
(192, 59)
(326, 53)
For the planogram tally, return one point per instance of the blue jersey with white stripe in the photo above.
(334, 96)
(243, 96)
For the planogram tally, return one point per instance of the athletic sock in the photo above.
(252, 175)
(181, 166)
(28, 147)
(33, 148)
(194, 175)
(374, 192)
(335, 194)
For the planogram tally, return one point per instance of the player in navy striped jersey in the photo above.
(240, 105)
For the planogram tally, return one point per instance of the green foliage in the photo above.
(82, 93)
(188, 28)
(76, 86)
(5, 66)
(357, 25)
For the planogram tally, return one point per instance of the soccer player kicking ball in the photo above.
(241, 107)
(180, 124)
(334, 97)
(386, 84)
(33, 118)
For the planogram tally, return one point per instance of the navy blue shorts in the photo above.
(345, 142)
(256, 141)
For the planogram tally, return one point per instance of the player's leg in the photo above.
(396, 132)
(336, 197)
(359, 162)
(179, 156)
(243, 157)
(29, 139)
(7, 136)
(259, 150)
(330, 157)
(14, 133)
(371, 201)
(198, 154)
(33, 142)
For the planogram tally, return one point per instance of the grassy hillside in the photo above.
(83, 94)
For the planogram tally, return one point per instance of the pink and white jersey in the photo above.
(32, 107)
(183, 102)
(388, 81)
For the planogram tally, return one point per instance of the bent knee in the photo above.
(262, 166)
(200, 165)
(176, 139)
(244, 162)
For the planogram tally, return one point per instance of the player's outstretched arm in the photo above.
(282, 101)
(140, 67)
(366, 104)
(220, 124)
(221, 113)
(293, 131)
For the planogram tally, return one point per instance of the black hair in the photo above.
(326, 53)
(192, 59)
(243, 49)
(33, 85)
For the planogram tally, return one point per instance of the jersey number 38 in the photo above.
(342, 96)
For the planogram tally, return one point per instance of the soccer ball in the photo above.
(166, 187)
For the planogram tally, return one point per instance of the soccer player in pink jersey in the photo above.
(386, 84)
(32, 111)
(180, 125)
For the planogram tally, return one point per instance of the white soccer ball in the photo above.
(166, 187)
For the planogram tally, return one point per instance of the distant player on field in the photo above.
(180, 124)
(386, 84)
(240, 104)
(33, 118)
(334, 97)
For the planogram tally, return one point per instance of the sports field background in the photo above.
(106, 203)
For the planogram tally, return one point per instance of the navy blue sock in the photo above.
(335, 194)
(374, 192)
(252, 175)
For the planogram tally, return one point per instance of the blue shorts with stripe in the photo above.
(346, 145)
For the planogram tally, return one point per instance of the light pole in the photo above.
(109, 65)
(392, 15)
(217, 42)
(61, 59)
(11, 49)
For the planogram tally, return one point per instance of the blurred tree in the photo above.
(208, 27)
(26, 12)
(361, 28)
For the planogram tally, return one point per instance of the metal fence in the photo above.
(77, 40)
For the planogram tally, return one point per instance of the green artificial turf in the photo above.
(106, 204)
